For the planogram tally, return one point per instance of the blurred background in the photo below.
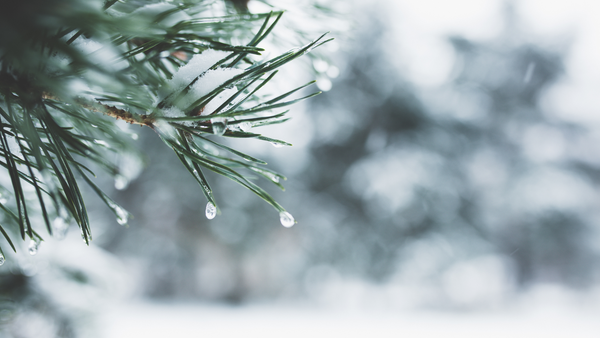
(447, 182)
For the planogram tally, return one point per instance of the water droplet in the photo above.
(94, 126)
(211, 210)
(245, 126)
(122, 215)
(3, 199)
(134, 136)
(271, 176)
(2, 260)
(286, 219)
(59, 223)
(59, 228)
(219, 125)
(277, 144)
(121, 182)
(33, 247)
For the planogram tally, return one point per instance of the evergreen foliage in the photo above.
(69, 69)
(477, 166)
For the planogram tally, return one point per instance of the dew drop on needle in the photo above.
(211, 210)
(33, 247)
(286, 219)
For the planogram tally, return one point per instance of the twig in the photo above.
(119, 114)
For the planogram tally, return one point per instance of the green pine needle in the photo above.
(59, 101)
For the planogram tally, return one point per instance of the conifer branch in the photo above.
(166, 66)
(114, 112)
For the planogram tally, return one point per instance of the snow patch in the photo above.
(166, 130)
(218, 101)
(196, 66)
(208, 82)
(173, 112)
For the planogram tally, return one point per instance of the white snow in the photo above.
(202, 320)
(218, 100)
(197, 65)
(208, 81)
(166, 130)
(173, 112)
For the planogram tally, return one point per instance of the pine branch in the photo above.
(114, 112)
(164, 66)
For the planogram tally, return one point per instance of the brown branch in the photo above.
(119, 114)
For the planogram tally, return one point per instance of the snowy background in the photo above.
(447, 183)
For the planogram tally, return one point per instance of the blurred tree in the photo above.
(477, 160)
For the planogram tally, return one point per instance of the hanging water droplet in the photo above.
(33, 247)
(275, 178)
(121, 182)
(245, 126)
(286, 219)
(122, 215)
(59, 223)
(277, 144)
(211, 210)
(219, 125)
(2, 260)
(59, 228)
